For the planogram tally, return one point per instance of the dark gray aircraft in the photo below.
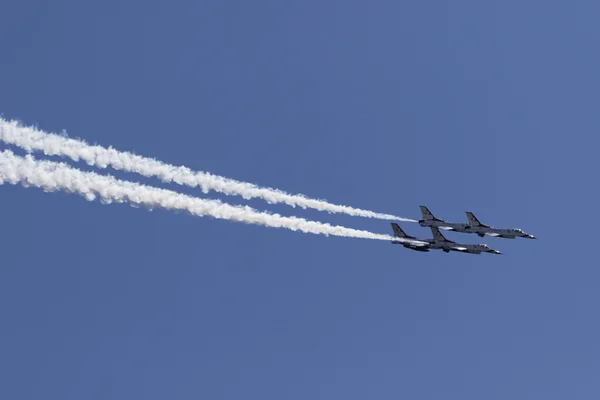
(473, 226)
(448, 245)
(439, 242)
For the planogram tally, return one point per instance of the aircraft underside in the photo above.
(417, 248)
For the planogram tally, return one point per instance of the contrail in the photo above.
(32, 139)
(52, 176)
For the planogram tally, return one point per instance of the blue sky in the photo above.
(384, 105)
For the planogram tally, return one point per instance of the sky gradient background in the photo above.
(382, 105)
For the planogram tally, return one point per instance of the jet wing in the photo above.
(417, 243)
(494, 234)
(413, 242)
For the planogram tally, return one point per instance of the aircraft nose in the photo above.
(496, 252)
(531, 237)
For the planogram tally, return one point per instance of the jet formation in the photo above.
(439, 242)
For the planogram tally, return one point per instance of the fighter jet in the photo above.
(449, 245)
(481, 229)
(473, 226)
(439, 242)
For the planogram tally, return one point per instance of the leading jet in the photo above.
(473, 226)
(439, 242)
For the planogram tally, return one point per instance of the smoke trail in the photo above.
(52, 176)
(32, 139)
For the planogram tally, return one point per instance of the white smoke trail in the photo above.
(32, 139)
(52, 176)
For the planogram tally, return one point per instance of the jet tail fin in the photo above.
(398, 232)
(473, 221)
(437, 235)
(427, 215)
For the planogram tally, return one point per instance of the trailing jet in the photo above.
(439, 242)
(473, 226)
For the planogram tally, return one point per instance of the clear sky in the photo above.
(461, 105)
